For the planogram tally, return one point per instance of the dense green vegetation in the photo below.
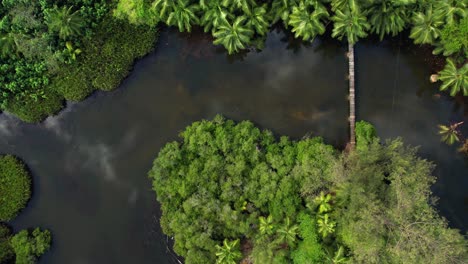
(231, 192)
(56, 50)
(238, 24)
(15, 191)
(30, 246)
(15, 187)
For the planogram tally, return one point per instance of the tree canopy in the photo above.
(286, 201)
(15, 191)
(15, 187)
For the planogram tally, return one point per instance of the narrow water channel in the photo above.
(89, 163)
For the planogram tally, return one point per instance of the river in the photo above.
(89, 163)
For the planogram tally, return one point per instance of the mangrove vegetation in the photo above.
(25, 247)
(56, 50)
(230, 193)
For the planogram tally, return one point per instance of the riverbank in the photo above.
(45, 61)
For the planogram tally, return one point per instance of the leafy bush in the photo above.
(385, 213)
(106, 59)
(224, 178)
(31, 110)
(29, 247)
(6, 251)
(365, 135)
(310, 249)
(15, 187)
(296, 202)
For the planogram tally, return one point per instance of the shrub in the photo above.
(6, 251)
(15, 187)
(224, 178)
(28, 247)
(106, 59)
(31, 110)
(365, 134)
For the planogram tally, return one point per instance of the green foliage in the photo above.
(426, 26)
(64, 21)
(384, 213)
(351, 24)
(266, 226)
(453, 39)
(229, 253)
(287, 233)
(15, 187)
(453, 79)
(36, 41)
(182, 15)
(325, 225)
(388, 17)
(29, 247)
(228, 181)
(6, 251)
(233, 37)
(365, 135)
(225, 178)
(307, 24)
(309, 249)
(449, 134)
(106, 59)
(323, 202)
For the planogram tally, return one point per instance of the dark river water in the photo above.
(90, 162)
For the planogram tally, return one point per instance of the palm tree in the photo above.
(450, 134)
(214, 14)
(306, 24)
(388, 17)
(451, 10)
(287, 233)
(266, 225)
(323, 202)
(256, 18)
(233, 37)
(454, 79)
(426, 26)
(353, 25)
(229, 253)
(281, 9)
(162, 8)
(182, 15)
(325, 225)
(238, 4)
(338, 257)
(64, 21)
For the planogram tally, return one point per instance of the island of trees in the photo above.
(26, 246)
(230, 193)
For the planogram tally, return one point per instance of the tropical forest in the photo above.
(233, 131)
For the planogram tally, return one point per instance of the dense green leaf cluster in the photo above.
(56, 50)
(365, 134)
(298, 202)
(107, 59)
(385, 214)
(224, 177)
(15, 187)
(28, 247)
(6, 251)
(15, 191)
(238, 24)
